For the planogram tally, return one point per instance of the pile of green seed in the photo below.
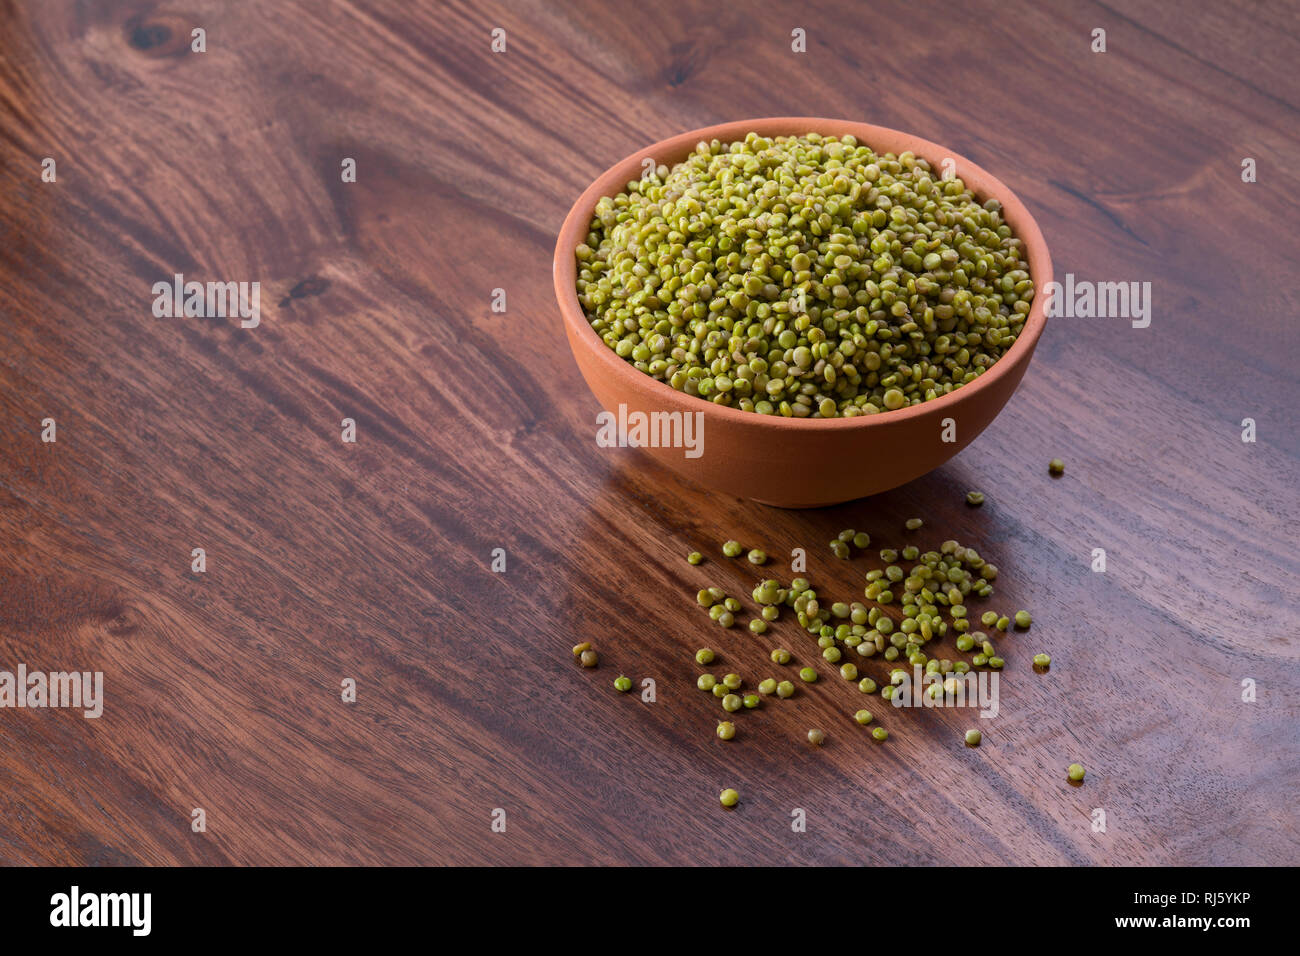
(804, 276)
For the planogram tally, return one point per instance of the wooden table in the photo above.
(371, 561)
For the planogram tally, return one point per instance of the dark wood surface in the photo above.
(371, 561)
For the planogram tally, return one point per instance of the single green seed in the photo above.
(880, 734)
(1042, 660)
(589, 658)
(733, 681)
(732, 604)
(579, 648)
(832, 654)
(1003, 623)
(757, 557)
(863, 717)
(704, 656)
(726, 729)
(965, 643)
(767, 687)
(729, 798)
(719, 690)
(695, 557)
(989, 618)
(780, 656)
(808, 675)
(861, 540)
(996, 663)
(731, 703)
(840, 550)
(785, 689)
(1056, 466)
(1023, 620)
(758, 625)
(816, 737)
(973, 738)
(726, 619)
(849, 671)
(706, 682)
(974, 498)
(1076, 772)
(731, 548)
(867, 685)
(751, 701)
(771, 612)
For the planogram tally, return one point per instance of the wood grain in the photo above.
(371, 561)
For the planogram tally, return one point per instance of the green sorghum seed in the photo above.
(888, 555)
(973, 738)
(717, 594)
(706, 682)
(689, 274)
(705, 598)
(960, 667)
(719, 690)
(965, 643)
(732, 604)
(913, 523)
(1023, 620)
(839, 609)
(863, 717)
(979, 660)
(622, 684)
(733, 681)
(731, 703)
(704, 656)
(767, 687)
(751, 701)
(846, 535)
(840, 550)
(1042, 660)
(726, 619)
(849, 671)
(816, 737)
(861, 540)
(757, 556)
(808, 675)
(731, 548)
(1075, 771)
(1056, 466)
(729, 797)
(887, 691)
(867, 685)
(579, 648)
(880, 733)
(832, 654)
(589, 658)
(771, 612)
(785, 689)
(695, 557)
(989, 618)
(726, 729)
(1003, 623)
(996, 663)
(758, 625)
(974, 498)
(780, 656)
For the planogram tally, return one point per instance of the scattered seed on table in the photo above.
(861, 540)
(695, 557)
(780, 656)
(974, 498)
(832, 654)
(816, 737)
(1042, 660)
(785, 689)
(729, 797)
(1056, 466)
(733, 681)
(704, 656)
(973, 738)
(840, 550)
(758, 625)
(849, 671)
(808, 675)
(1075, 772)
(989, 618)
(867, 685)
(751, 701)
(880, 733)
(913, 523)
(771, 612)
(589, 658)
(622, 684)
(706, 682)
(726, 729)
(732, 604)
(863, 717)
(726, 619)
(766, 687)
(731, 703)
(757, 556)
(578, 649)
(1023, 620)
(731, 548)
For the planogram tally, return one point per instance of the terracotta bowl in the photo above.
(800, 462)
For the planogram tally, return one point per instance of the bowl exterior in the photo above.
(800, 463)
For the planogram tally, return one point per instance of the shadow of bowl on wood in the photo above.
(800, 462)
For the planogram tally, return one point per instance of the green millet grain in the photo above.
(804, 277)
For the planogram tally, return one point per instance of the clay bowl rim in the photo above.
(675, 148)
